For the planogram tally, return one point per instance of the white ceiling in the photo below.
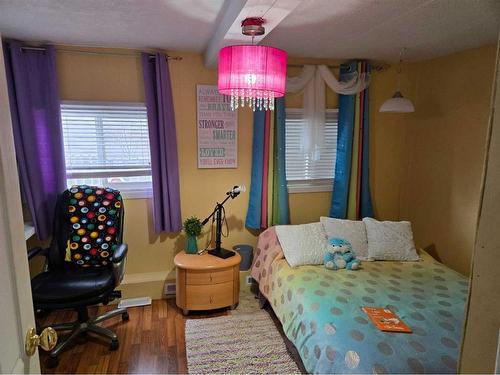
(173, 24)
(375, 29)
(378, 29)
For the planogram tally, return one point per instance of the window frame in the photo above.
(311, 185)
(129, 190)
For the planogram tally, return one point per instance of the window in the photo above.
(107, 144)
(302, 173)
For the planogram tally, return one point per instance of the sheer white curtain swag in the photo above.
(312, 81)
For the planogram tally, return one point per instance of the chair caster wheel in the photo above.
(114, 345)
(125, 316)
(52, 362)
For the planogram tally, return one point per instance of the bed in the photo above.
(320, 311)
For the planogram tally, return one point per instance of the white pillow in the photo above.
(390, 240)
(348, 230)
(302, 244)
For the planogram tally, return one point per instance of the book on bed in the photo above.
(385, 320)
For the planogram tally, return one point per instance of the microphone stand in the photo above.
(218, 251)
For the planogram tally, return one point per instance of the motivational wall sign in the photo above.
(217, 129)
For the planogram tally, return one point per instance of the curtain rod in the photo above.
(98, 53)
(302, 65)
(376, 66)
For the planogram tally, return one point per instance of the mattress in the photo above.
(320, 311)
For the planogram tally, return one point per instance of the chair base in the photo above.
(83, 325)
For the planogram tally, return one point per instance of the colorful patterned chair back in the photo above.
(88, 226)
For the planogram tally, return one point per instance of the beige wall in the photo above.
(119, 78)
(409, 154)
(97, 77)
(426, 166)
(445, 141)
(482, 329)
(389, 145)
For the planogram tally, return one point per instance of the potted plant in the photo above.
(192, 227)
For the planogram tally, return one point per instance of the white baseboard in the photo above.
(150, 284)
(144, 277)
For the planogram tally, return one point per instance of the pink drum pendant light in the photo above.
(250, 74)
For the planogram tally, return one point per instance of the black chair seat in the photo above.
(68, 286)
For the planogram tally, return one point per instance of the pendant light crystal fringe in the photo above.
(252, 99)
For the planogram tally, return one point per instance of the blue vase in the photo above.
(192, 245)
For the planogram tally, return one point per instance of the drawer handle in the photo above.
(210, 278)
(211, 299)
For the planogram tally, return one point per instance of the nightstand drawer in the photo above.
(207, 297)
(209, 277)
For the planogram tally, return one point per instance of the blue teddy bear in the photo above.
(340, 255)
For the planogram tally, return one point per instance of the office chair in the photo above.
(84, 263)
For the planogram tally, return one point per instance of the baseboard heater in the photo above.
(134, 302)
(169, 289)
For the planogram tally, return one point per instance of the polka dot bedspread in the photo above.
(320, 311)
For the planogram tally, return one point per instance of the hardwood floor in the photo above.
(152, 341)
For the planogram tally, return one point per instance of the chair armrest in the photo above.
(37, 251)
(118, 260)
(119, 253)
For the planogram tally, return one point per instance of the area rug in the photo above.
(238, 344)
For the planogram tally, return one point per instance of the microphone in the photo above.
(236, 190)
(233, 193)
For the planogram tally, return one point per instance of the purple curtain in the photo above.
(162, 143)
(36, 122)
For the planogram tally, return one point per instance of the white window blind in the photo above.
(107, 144)
(302, 173)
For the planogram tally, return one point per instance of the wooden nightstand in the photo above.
(205, 282)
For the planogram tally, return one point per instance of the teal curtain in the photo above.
(352, 171)
(255, 197)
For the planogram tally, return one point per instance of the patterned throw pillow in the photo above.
(302, 244)
(351, 231)
(94, 216)
(390, 240)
